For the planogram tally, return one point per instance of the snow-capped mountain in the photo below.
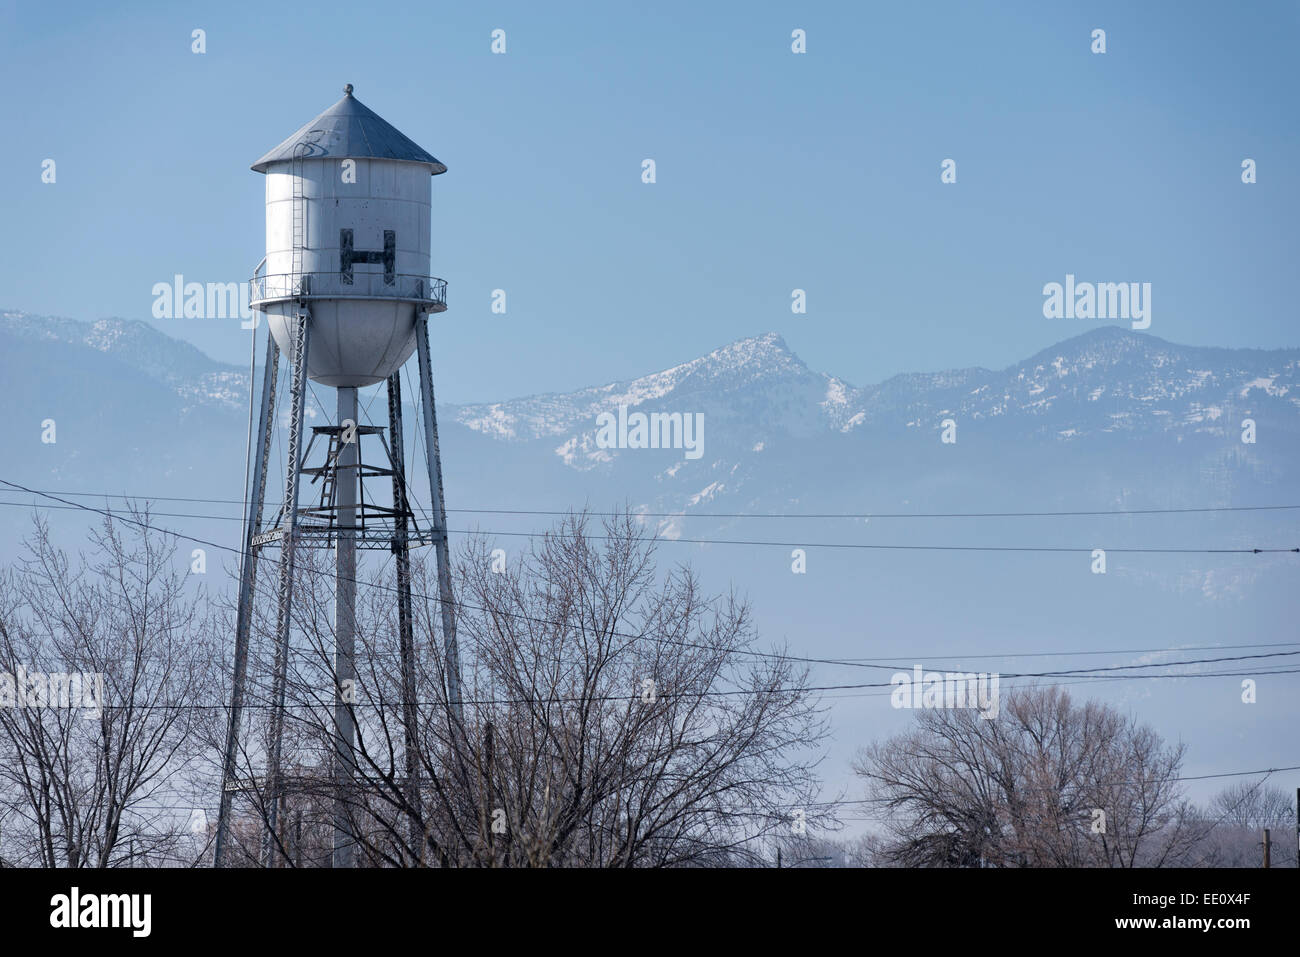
(128, 409)
(761, 368)
(172, 362)
(1111, 416)
(1101, 408)
(1109, 380)
(1106, 380)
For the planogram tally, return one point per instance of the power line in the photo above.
(867, 546)
(637, 637)
(74, 506)
(816, 515)
(1090, 651)
(1086, 679)
(873, 515)
(908, 661)
(323, 655)
(1185, 777)
(632, 696)
(871, 546)
(940, 669)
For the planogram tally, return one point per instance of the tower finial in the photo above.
(348, 89)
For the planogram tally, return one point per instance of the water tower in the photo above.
(346, 290)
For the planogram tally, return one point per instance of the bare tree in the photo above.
(1045, 784)
(1236, 818)
(104, 667)
(613, 716)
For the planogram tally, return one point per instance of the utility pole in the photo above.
(487, 795)
(1268, 844)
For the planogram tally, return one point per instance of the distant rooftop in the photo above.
(351, 130)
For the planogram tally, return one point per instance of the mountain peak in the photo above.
(766, 353)
(1112, 334)
(767, 342)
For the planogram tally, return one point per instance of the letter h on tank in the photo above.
(349, 255)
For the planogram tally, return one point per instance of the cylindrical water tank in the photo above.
(347, 235)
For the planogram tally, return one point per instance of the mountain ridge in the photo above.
(1106, 419)
(1103, 379)
(1097, 370)
(194, 375)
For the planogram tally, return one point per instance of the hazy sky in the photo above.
(818, 171)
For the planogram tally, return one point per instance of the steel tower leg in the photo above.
(345, 628)
(406, 636)
(247, 576)
(451, 654)
(289, 528)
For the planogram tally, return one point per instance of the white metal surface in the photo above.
(348, 170)
(355, 342)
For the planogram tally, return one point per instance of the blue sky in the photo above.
(775, 171)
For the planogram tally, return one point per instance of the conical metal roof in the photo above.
(351, 130)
